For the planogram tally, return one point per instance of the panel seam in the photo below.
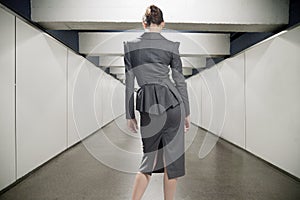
(15, 88)
(67, 100)
(245, 102)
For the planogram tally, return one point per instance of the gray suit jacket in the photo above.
(147, 58)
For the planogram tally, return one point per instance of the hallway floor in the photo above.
(227, 172)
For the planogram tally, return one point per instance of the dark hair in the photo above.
(153, 15)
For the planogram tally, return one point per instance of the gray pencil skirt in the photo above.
(163, 142)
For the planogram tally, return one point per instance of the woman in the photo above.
(163, 106)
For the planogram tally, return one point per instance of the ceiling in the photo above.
(231, 18)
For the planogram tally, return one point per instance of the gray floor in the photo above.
(226, 173)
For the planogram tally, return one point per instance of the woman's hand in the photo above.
(132, 125)
(187, 123)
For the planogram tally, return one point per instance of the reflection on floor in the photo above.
(103, 166)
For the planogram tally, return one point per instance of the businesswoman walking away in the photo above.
(163, 104)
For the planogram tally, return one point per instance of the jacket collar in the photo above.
(152, 36)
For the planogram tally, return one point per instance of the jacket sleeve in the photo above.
(129, 83)
(176, 67)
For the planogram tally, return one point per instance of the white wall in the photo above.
(213, 100)
(110, 105)
(92, 96)
(262, 100)
(48, 78)
(272, 101)
(7, 99)
(210, 90)
(232, 73)
(118, 93)
(195, 100)
(82, 77)
(41, 97)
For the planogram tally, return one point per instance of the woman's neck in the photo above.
(154, 28)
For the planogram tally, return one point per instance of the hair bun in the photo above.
(153, 9)
(153, 15)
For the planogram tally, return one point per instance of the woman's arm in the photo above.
(129, 91)
(129, 83)
(176, 67)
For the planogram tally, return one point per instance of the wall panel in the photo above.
(213, 100)
(232, 73)
(194, 91)
(50, 80)
(105, 97)
(117, 97)
(272, 101)
(262, 93)
(94, 98)
(82, 81)
(73, 69)
(41, 97)
(7, 100)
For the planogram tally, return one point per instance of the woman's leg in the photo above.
(169, 186)
(140, 185)
(173, 148)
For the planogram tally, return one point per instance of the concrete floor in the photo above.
(226, 173)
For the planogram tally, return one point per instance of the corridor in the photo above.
(66, 93)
